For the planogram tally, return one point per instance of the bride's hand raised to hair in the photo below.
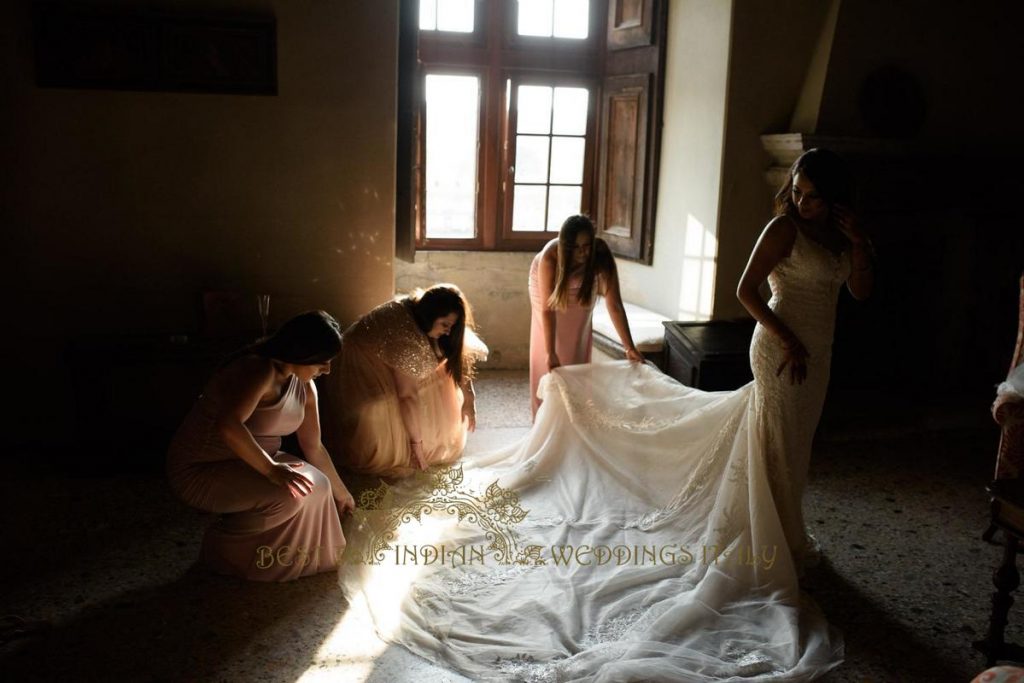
(846, 221)
(796, 358)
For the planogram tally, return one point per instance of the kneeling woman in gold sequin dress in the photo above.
(404, 386)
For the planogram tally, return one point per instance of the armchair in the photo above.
(1007, 501)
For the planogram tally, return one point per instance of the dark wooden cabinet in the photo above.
(712, 356)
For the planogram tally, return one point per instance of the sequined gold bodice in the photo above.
(390, 333)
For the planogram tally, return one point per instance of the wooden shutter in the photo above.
(406, 142)
(629, 136)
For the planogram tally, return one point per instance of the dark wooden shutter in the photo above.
(629, 136)
(406, 142)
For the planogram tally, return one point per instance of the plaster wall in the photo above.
(120, 208)
(771, 60)
(679, 284)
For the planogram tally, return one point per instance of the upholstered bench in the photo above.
(645, 326)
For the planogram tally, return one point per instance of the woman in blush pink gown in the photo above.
(565, 278)
(403, 399)
(279, 514)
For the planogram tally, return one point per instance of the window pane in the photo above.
(452, 117)
(566, 160)
(533, 113)
(535, 17)
(571, 111)
(564, 202)
(455, 15)
(428, 15)
(571, 18)
(528, 207)
(531, 159)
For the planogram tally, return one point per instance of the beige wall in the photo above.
(697, 62)
(772, 47)
(119, 208)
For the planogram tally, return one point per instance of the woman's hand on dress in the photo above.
(345, 502)
(796, 359)
(286, 474)
(634, 356)
(469, 414)
(553, 361)
(418, 455)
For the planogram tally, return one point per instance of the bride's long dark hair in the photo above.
(830, 174)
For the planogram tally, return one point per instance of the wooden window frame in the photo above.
(522, 240)
(481, 205)
(495, 53)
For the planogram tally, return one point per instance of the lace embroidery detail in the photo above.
(751, 662)
(526, 669)
(613, 631)
(472, 581)
(697, 482)
(586, 412)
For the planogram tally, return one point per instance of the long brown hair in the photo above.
(599, 262)
(830, 174)
(437, 301)
(309, 338)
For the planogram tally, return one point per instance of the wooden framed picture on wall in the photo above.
(131, 49)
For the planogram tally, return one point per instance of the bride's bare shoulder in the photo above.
(781, 227)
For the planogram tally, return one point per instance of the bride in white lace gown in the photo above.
(650, 525)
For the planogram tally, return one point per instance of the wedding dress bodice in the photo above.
(805, 286)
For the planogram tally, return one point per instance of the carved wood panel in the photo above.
(623, 162)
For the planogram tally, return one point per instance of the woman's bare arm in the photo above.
(312, 446)
(617, 312)
(239, 389)
(774, 244)
(409, 407)
(862, 276)
(549, 321)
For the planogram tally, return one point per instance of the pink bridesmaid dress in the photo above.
(263, 532)
(573, 338)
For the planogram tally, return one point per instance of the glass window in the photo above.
(452, 133)
(446, 15)
(554, 18)
(548, 170)
(500, 147)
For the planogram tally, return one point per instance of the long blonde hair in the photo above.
(596, 263)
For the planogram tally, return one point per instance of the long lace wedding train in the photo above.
(634, 534)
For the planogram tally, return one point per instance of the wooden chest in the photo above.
(713, 356)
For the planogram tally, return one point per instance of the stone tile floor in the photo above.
(896, 499)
